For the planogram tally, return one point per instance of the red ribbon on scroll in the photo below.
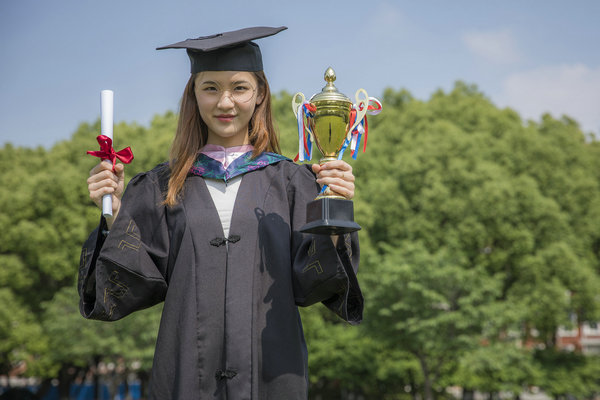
(107, 152)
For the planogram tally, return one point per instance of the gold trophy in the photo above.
(329, 127)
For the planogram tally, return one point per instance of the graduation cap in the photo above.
(228, 51)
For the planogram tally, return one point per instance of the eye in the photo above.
(242, 88)
(210, 89)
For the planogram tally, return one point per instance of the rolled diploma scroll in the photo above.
(106, 128)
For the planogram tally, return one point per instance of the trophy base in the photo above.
(328, 216)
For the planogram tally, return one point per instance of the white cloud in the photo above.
(493, 46)
(573, 90)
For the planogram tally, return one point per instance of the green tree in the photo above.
(478, 225)
(46, 215)
(497, 367)
(431, 306)
(77, 344)
(21, 337)
(569, 374)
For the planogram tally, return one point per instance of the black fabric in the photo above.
(246, 57)
(228, 51)
(230, 327)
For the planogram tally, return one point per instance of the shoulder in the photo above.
(302, 173)
(157, 176)
(145, 192)
(291, 169)
(297, 177)
(159, 172)
(291, 172)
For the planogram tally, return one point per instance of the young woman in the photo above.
(215, 235)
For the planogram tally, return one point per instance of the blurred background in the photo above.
(479, 192)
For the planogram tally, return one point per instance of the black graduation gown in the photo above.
(230, 327)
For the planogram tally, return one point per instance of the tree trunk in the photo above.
(413, 385)
(427, 383)
(97, 385)
(66, 376)
(44, 387)
(144, 378)
(468, 394)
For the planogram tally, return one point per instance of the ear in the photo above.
(260, 97)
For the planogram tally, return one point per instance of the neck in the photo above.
(228, 141)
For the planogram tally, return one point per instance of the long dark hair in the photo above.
(192, 134)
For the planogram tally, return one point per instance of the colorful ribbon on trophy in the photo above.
(305, 135)
(362, 128)
(107, 152)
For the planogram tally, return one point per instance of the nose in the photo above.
(226, 100)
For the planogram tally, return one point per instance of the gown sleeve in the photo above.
(322, 272)
(125, 270)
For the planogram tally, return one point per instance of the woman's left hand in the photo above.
(337, 175)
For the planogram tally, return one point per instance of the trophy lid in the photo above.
(330, 92)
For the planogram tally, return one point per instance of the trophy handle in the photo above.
(297, 102)
(362, 106)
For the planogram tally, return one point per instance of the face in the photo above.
(226, 101)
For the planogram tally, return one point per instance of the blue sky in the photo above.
(56, 56)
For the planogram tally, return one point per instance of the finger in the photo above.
(119, 170)
(337, 168)
(337, 173)
(103, 183)
(97, 195)
(100, 192)
(337, 164)
(101, 166)
(342, 191)
(103, 175)
(336, 182)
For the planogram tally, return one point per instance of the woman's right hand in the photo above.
(103, 181)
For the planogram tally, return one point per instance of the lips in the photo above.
(225, 117)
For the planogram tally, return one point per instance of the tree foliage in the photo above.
(480, 238)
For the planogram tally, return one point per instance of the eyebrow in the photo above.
(217, 83)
